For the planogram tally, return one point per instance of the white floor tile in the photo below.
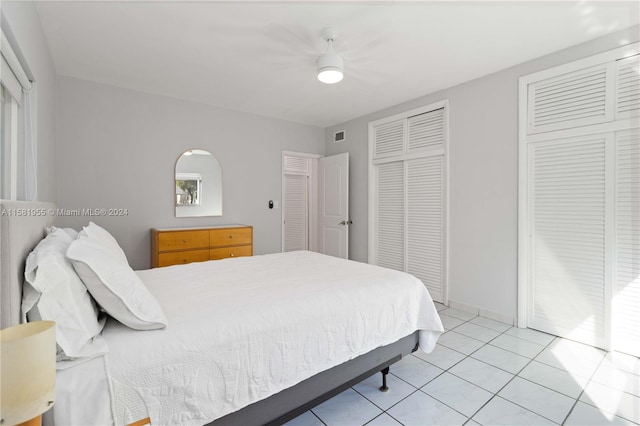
(441, 356)
(540, 400)
(420, 409)
(574, 364)
(553, 378)
(346, 408)
(570, 349)
(398, 390)
(624, 362)
(450, 322)
(481, 374)
(415, 371)
(492, 324)
(463, 315)
(501, 358)
(612, 400)
(458, 394)
(477, 332)
(504, 413)
(460, 343)
(439, 306)
(587, 415)
(611, 376)
(518, 346)
(305, 419)
(531, 335)
(384, 420)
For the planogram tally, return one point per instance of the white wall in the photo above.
(23, 22)
(117, 149)
(483, 177)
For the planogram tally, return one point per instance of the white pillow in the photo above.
(100, 234)
(53, 291)
(115, 286)
(70, 231)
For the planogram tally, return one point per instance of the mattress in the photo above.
(242, 329)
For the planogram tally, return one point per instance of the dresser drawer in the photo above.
(183, 240)
(224, 252)
(230, 236)
(180, 257)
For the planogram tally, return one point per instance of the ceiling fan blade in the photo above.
(297, 40)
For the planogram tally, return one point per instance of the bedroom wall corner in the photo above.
(117, 148)
(483, 172)
(22, 19)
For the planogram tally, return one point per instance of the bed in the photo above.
(261, 367)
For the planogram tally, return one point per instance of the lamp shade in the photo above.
(27, 371)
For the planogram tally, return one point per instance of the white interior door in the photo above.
(333, 194)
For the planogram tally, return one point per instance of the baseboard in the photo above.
(482, 312)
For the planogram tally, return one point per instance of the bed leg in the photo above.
(384, 387)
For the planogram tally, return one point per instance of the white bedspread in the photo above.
(243, 329)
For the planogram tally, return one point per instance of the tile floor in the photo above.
(489, 373)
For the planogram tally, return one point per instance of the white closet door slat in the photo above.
(568, 244)
(295, 213)
(426, 131)
(626, 299)
(425, 222)
(628, 87)
(389, 139)
(574, 99)
(390, 215)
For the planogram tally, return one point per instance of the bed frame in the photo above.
(22, 226)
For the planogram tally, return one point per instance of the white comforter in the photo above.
(243, 329)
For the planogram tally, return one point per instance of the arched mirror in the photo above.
(198, 184)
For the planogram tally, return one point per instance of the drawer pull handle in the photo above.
(184, 241)
(232, 254)
(230, 236)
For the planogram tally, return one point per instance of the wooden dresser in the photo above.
(174, 246)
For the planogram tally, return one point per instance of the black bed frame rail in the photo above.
(328, 395)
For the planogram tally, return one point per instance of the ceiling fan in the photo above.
(298, 48)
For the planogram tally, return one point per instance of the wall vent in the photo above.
(339, 136)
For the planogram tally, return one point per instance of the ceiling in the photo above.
(259, 57)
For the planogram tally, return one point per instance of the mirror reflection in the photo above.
(198, 184)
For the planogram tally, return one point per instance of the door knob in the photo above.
(345, 222)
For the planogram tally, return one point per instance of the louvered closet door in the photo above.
(390, 215)
(425, 131)
(628, 87)
(425, 222)
(574, 99)
(389, 139)
(567, 191)
(626, 299)
(295, 213)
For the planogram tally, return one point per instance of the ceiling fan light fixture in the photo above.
(330, 64)
(330, 68)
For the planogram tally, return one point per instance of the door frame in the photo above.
(313, 197)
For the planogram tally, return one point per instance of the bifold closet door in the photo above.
(568, 237)
(425, 222)
(390, 213)
(626, 296)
